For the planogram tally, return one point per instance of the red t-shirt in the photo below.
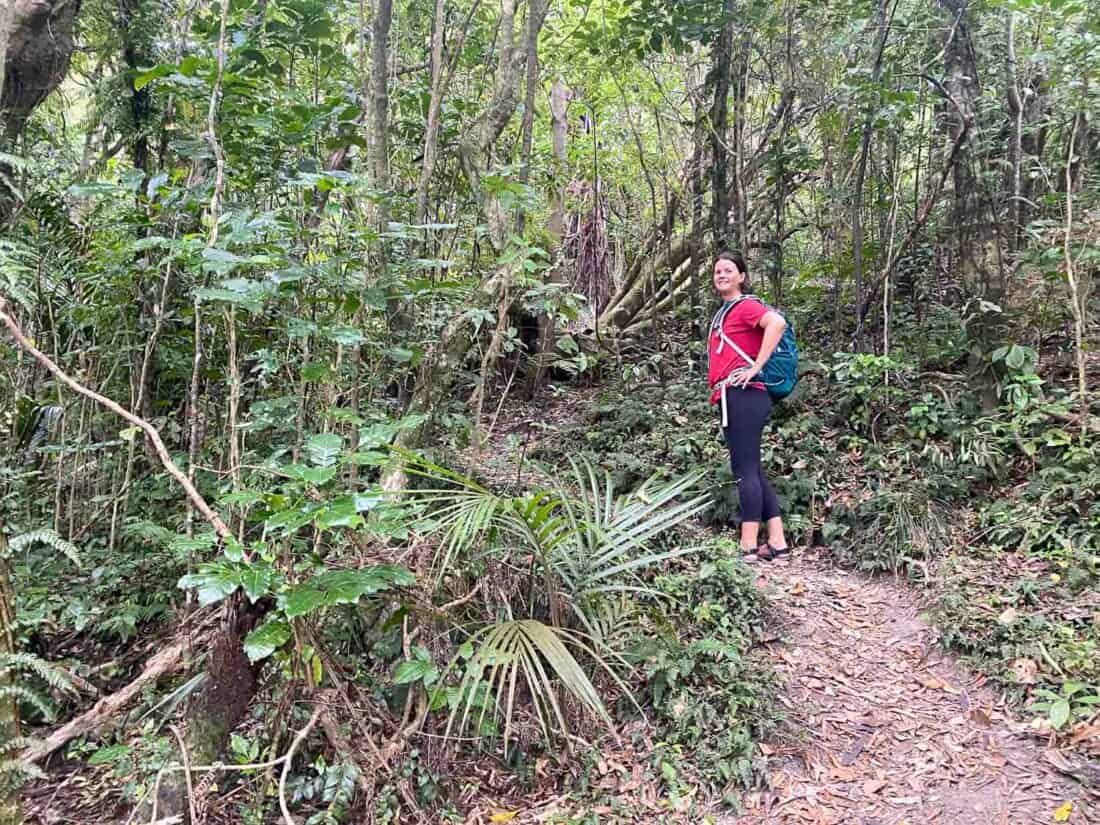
(742, 326)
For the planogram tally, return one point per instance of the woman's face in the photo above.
(727, 277)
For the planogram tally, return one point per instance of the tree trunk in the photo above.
(861, 174)
(378, 149)
(738, 205)
(435, 104)
(696, 234)
(555, 224)
(719, 78)
(39, 44)
(36, 43)
(1015, 152)
(11, 812)
(973, 233)
(137, 54)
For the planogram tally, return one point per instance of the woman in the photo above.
(743, 336)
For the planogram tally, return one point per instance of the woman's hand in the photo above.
(743, 377)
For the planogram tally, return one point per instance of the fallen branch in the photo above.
(150, 431)
(164, 662)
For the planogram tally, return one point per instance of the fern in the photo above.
(48, 673)
(13, 770)
(50, 538)
(16, 269)
(28, 696)
(18, 771)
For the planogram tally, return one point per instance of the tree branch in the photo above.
(150, 431)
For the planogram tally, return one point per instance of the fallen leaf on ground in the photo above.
(873, 786)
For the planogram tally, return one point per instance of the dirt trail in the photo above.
(889, 729)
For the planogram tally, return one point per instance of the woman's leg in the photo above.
(748, 409)
(771, 514)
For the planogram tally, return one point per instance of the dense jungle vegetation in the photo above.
(357, 464)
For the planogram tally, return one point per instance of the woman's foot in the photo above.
(769, 551)
(751, 555)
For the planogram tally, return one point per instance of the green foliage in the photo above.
(587, 546)
(711, 695)
(535, 655)
(1072, 702)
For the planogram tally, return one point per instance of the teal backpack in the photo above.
(780, 374)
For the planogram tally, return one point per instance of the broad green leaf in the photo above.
(201, 541)
(319, 475)
(112, 753)
(220, 261)
(257, 579)
(342, 334)
(340, 514)
(213, 582)
(145, 78)
(266, 639)
(302, 600)
(412, 671)
(1059, 713)
(324, 448)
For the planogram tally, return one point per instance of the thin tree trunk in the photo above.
(431, 129)
(527, 127)
(719, 78)
(1016, 148)
(1077, 298)
(555, 224)
(11, 811)
(738, 201)
(864, 151)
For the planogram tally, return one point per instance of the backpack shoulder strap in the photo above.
(718, 323)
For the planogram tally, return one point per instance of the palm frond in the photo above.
(538, 652)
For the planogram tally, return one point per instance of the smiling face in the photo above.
(727, 278)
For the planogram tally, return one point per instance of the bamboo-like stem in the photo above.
(234, 401)
(122, 501)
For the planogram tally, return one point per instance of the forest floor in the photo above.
(884, 726)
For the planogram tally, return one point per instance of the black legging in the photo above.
(748, 409)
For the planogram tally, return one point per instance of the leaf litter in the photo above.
(886, 728)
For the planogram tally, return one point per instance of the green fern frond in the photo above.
(18, 743)
(28, 696)
(49, 673)
(50, 538)
(19, 771)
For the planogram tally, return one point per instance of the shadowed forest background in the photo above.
(356, 457)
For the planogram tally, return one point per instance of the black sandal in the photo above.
(750, 556)
(768, 552)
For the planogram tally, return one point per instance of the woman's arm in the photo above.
(773, 325)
